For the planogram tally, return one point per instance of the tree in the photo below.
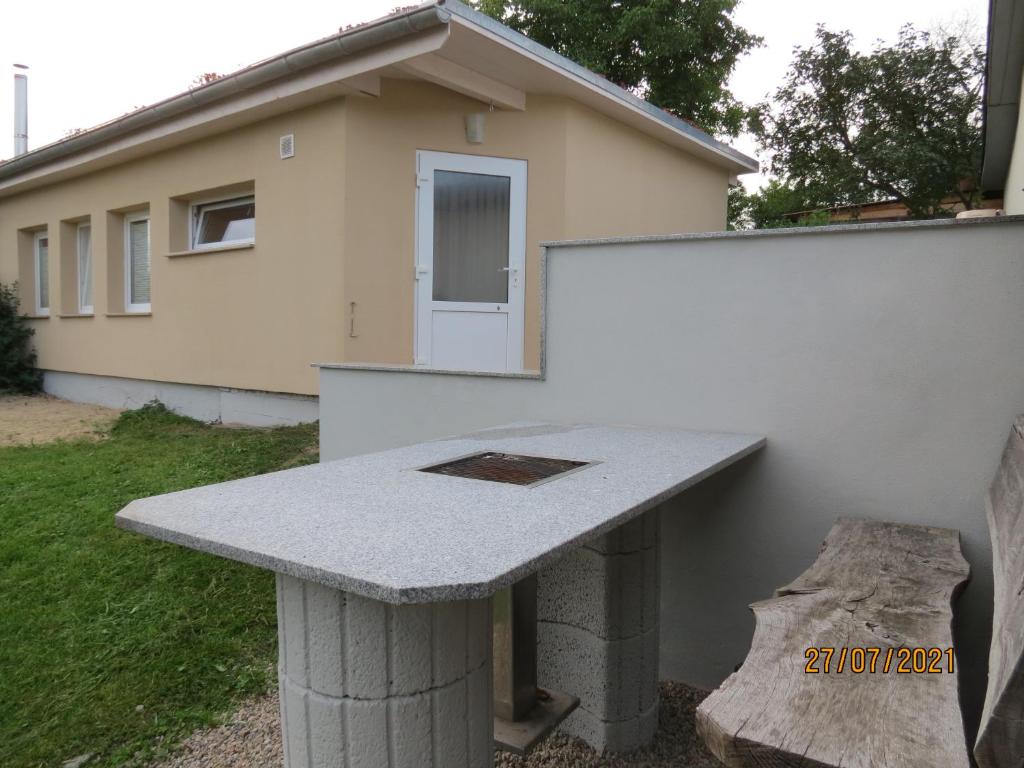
(900, 122)
(677, 54)
(767, 208)
(18, 371)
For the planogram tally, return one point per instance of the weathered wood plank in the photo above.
(874, 585)
(1000, 741)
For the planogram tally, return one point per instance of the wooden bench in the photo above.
(1000, 741)
(874, 585)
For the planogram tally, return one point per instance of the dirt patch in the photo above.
(251, 738)
(28, 420)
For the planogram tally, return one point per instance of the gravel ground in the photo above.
(251, 739)
(676, 743)
(25, 420)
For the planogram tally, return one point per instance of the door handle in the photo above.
(508, 269)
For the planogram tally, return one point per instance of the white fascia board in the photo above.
(349, 75)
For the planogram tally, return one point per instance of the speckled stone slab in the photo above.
(377, 526)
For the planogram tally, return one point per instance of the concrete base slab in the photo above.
(210, 404)
(520, 736)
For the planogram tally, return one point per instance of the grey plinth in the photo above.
(597, 635)
(365, 684)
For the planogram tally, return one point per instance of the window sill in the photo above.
(76, 314)
(37, 317)
(129, 314)
(215, 249)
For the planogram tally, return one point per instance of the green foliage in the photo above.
(18, 371)
(902, 122)
(112, 643)
(766, 208)
(677, 54)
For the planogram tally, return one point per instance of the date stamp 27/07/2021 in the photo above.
(902, 661)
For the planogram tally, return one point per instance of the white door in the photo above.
(470, 262)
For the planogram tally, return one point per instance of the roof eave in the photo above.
(731, 158)
(346, 43)
(393, 28)
(1004, 65)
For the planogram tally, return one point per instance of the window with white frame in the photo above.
(84, 247)
(41, 260)
(136, 262)
(224, 222)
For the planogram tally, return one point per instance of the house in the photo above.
(885, 210)
(1003, 165)
(377, 196)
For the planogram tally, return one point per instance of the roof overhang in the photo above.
(446, 43)
(1002, 88)
(503, 53)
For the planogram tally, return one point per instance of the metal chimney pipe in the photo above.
(20, 111)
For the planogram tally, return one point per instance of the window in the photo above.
(136, 262)
(84, 248)
(225, 222)
(41, 257)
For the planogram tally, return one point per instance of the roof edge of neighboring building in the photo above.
(1003, 68)
(392, 28)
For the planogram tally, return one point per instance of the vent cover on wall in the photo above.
(288, 146)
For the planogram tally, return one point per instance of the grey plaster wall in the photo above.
(884, 363)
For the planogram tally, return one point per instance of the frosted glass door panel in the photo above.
(471, 221)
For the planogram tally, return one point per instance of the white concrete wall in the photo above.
(222, 404)
(883, 362)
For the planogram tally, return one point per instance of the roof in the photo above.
(1002, 88)
(443, 41)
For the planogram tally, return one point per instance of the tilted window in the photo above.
(137, 263)
(84, 247)
(225, 222)
(41, 257)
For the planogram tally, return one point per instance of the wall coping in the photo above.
(792, 231)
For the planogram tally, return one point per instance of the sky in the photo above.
(93, 61)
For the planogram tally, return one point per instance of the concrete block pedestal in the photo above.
(367, 684)
(597, 635)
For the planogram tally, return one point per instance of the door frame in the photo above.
(516, 170)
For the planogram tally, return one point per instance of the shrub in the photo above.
(18, 372)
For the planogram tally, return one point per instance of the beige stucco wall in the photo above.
(588, 176)
(335, 226)
(251, 319)
(621, 182)
(1013, 194)
(384, 136)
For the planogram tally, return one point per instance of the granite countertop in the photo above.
(377, 526)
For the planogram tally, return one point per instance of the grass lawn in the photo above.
(110, 641)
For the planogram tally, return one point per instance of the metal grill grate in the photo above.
(506, 468)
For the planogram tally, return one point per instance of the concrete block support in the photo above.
(597, 635)
(367, 684)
